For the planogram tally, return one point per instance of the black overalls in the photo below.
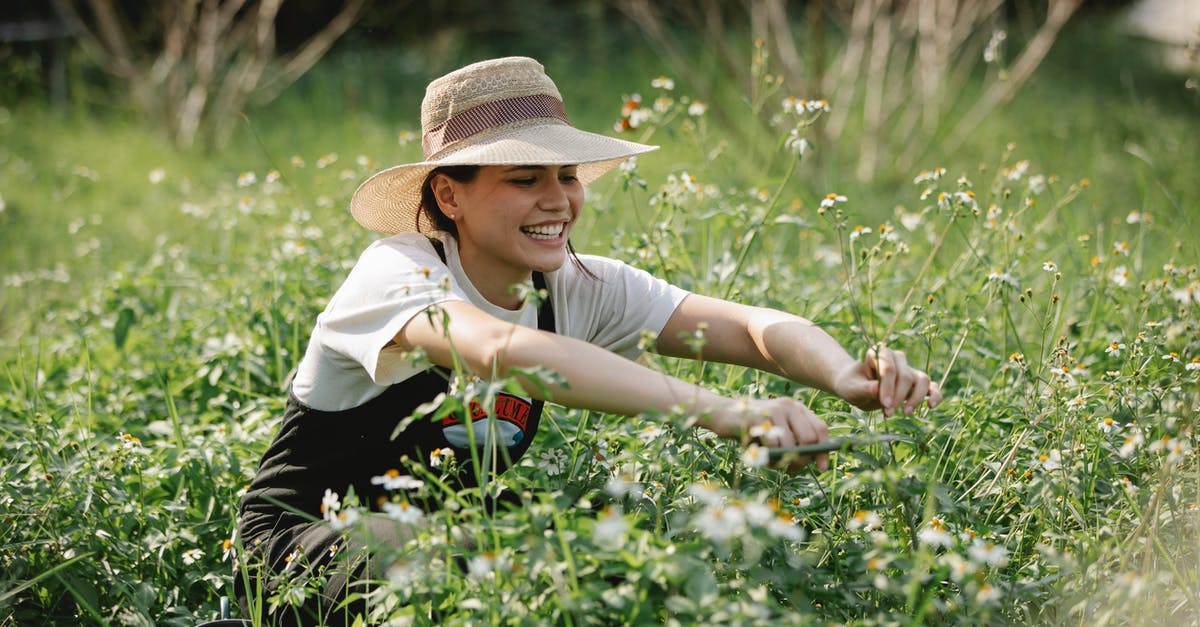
(318, 450)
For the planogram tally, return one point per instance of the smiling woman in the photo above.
(492, 207)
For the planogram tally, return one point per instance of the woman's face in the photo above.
(512, 219)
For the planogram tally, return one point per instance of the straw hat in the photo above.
(498, 112)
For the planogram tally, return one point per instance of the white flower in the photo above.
(1136, 217)
(935, 534)
(766, 429)
(1121, 248)
(999, 276)
(650, 433)
(481, 565)
(987, 553)
(629, 165)
(156, 176)
(403, 511)
(1131, 444)
(991, 52)
(929, 175)
(1107, 425)
(859, 231)
(1188, 295)
(1037, 184)
(330, 503)
(1194, 364)
(662, 82)
(832, 199)
(393, 480)
(191, 556)
(959, 567)
(719, 523)
(797, 143)
(439, 456)
(246, 179)
(611, 527)
(1050, 266)
(1051, 461)
(229, 547)
(622, 484)
(1120, 276)
(697, 109)
(755, 456)
(1115, 348)
(343, 519)
(553, 461)
(865, 520)
(706, 492)
(987, 593)
(910, 220)
(1017, 170)
(784, 526)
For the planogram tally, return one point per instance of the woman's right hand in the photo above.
(773, 423)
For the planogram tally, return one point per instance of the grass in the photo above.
(1057, 484)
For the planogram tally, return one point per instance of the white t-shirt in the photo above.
(400, 276)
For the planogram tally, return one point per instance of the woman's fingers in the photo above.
(806, 428)
(901, 387)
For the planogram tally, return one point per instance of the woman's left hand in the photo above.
(885, 380)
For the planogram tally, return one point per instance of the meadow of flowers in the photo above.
(1056, 484)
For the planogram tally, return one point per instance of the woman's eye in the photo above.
(568, 178)
(525, 181)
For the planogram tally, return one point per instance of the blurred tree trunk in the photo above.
(202, 61)
(899, 68)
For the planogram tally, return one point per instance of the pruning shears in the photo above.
(836, 445)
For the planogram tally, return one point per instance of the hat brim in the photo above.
(390, 200)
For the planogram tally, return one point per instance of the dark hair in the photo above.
(433, 213)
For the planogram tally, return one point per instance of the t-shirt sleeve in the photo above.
(393, 281)
(614, 311)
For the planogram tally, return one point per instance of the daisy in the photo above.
(393, 480)
(831, 199)
(865, 520)
(935, 534)
(1115, 348)
(755, 456)
(718, 523)
(987, 553)
(553, 461)
(784, 526)
(1131, 444)
(987, 593)
(439, 456)
(611, 527)
(1051, 461)
(1119, 276)
(403, 511)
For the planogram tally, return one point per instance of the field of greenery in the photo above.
(1047, 274)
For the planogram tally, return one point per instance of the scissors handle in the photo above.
(836, 444)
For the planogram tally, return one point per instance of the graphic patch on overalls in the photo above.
(512, 418)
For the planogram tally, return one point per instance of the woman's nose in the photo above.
(554, 196)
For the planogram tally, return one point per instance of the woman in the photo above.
(490, 208)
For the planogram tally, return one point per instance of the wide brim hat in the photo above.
(497, 112)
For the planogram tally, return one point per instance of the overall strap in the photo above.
(546, 320)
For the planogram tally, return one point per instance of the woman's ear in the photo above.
(445, 192)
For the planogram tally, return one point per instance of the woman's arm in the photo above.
(594, 378)
(792, 347)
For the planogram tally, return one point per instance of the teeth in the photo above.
(543, 232)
